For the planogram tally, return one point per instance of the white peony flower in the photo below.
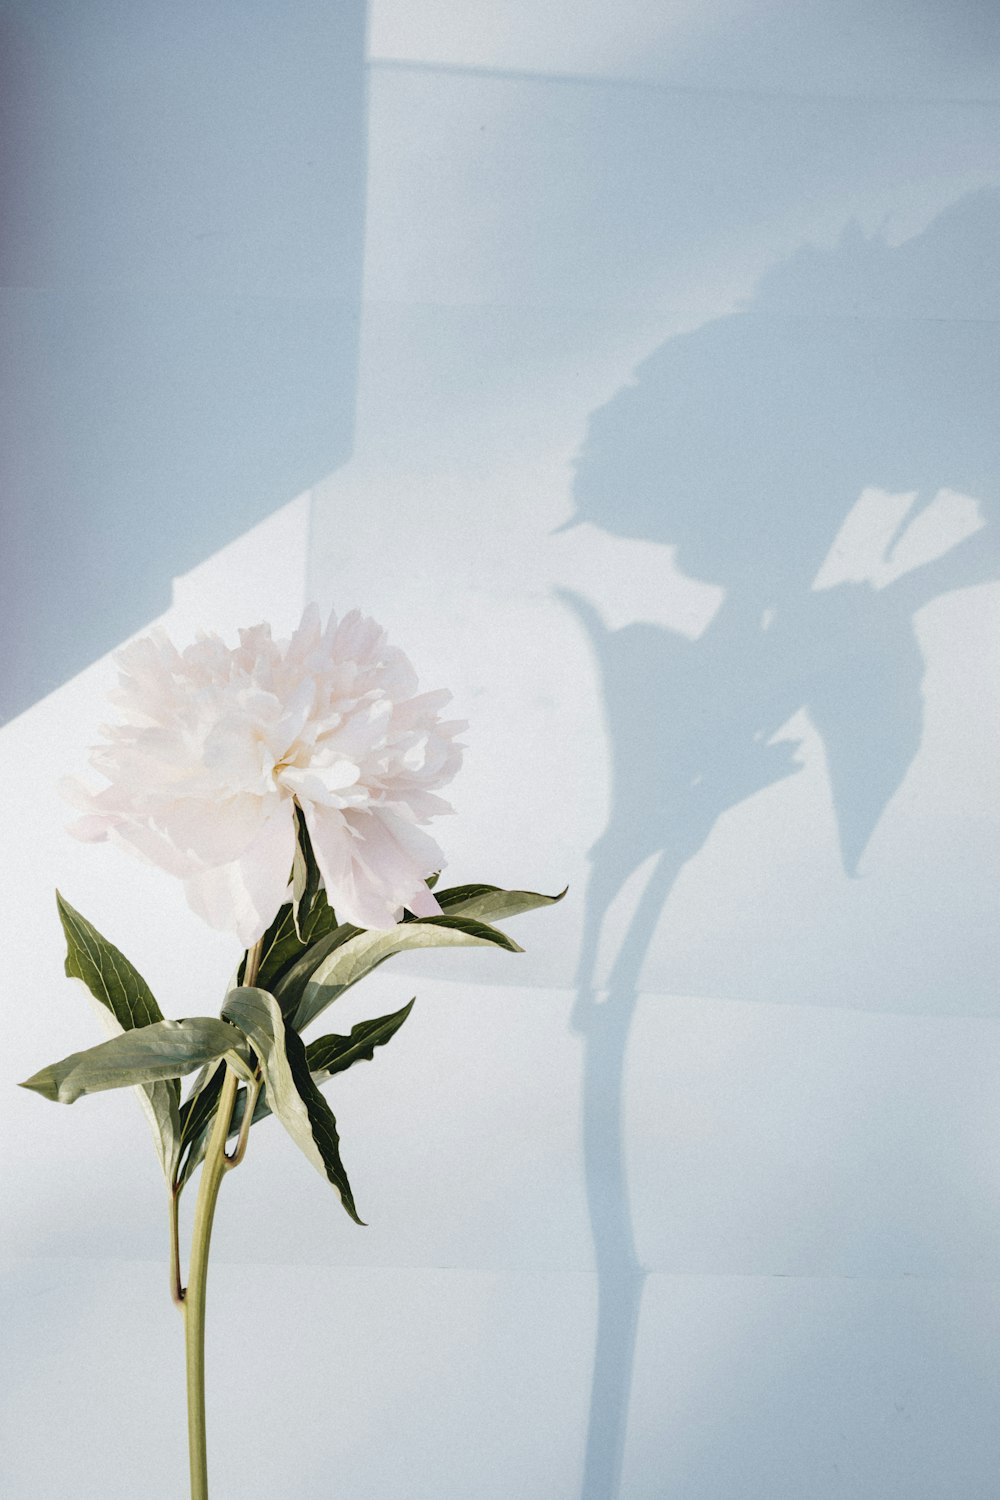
(216, 746)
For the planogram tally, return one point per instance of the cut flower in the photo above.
(216, 746)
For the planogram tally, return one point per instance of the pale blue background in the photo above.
(181, 264)
(638, 368)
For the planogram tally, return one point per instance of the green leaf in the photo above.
(325, 1056)
(332, 1054)
(489, 903)
(147, 1054)
(480, 904)
(282, 945)
(321, 920)
(125, 1001)
(106, 972)
(354, 957)
(287, 988)
(291, 1092)
(201, 1117)
(196, 1115)
(279, 946)
(306, 879)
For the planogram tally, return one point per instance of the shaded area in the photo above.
(822, 1389)
(795, 453)
(181, 263)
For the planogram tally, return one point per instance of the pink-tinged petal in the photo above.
(399, 678)
(244, 895)
(424, 904)
(306, 636)
(420, 848)
(350, 889)
(73, 791)
(420, 710)
(212, 742)
(90, 829)
(358, 637)
(254, 642)
(364, 905)
(359, 732)
(331, 840)
(150, 658)
(426, 805)
(321, 784)
(152, 847)
(391, 862)
(215, 832)
(297, 711)
(380, 861)
(235, 753)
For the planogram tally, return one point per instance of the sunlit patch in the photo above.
(949, 519)
(635, 580)
(865, 538)
(882, 538)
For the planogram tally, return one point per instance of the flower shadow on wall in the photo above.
(746, 445)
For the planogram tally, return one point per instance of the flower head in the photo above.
(216, 746)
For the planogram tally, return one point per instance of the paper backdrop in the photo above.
(671, 449)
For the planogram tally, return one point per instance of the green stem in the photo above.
(176, 1290)
(214, 1168)
(212, 1172)
(249, 1105)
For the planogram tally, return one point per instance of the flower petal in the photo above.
(424, 904)
(213, 743)
(331, 841)
(245, 894)
(321, 784)
(356, 895)
(139, 838)
(90, 829)
(215, 832)
(391, 860)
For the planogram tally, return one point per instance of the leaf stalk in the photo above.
(176, 1289)
(253, 1094)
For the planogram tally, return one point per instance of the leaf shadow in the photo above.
(753, 447)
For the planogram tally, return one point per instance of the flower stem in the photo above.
(214, 1169)
(212, 1172)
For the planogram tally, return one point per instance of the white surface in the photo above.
(421, 1382)
(762, 46)
(809, 1091)
(392, 1373)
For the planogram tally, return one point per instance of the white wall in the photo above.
(698, 1198)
